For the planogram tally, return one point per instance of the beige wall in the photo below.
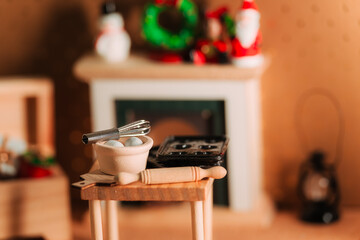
(312, 44)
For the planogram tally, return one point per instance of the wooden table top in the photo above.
(190, 191)
(187, 191)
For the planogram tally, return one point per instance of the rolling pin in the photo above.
(170, 175)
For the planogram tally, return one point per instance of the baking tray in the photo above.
(202, 151)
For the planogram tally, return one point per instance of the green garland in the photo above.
(229, 25)
(159, 36)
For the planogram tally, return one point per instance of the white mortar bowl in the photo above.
(132, 159)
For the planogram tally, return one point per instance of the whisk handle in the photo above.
(108, 134)
(138, 128)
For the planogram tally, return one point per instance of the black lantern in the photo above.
(318, 190)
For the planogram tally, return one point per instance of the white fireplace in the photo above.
(239, 89)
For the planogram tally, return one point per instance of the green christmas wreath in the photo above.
(161, 37)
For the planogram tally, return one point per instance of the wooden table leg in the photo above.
(197, 220)
(95, 220)
(208, 215)
(111, 217)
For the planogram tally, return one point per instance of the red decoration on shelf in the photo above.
(166, 2)
(246, 44)
(166, 57)
(216, 13)
(28, 170)
(213, 49)
(249, 5)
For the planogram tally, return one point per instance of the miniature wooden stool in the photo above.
(199, 194)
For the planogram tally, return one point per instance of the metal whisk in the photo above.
(138, 128)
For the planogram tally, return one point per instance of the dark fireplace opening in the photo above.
(179, 117)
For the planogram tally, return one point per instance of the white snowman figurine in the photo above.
(113, 42)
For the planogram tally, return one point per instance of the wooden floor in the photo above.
(172, 222)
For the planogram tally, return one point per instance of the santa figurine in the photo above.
(113, 42)
(246, 44)
(213, 49)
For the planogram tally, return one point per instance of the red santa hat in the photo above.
(249, 4)
(216, 13)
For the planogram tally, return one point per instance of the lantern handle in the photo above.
(299, 128)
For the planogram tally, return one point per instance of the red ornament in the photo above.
(166, 2)
(166, 57)
(28, 170)
(213, 49)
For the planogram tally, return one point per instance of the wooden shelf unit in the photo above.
(32, 207)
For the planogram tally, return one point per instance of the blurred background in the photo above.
(309, 44)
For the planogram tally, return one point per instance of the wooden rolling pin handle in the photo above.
(171, 175)
(125, 178)
(214, 172)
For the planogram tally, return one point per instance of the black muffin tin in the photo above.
(202, 151)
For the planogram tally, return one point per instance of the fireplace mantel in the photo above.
(140, 78)
(92, 67)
